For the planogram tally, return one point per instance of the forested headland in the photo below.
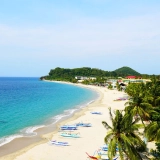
(66, 74)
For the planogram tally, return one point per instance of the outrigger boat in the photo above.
(96, 112)
(59, 143)
(81, 124)
(100, 157)
(105, 148)
(68, 127)
(72, 135)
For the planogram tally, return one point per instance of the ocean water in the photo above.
(28, 103)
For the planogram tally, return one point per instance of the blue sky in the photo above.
(39, 35)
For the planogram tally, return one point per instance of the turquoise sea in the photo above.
(27, 104)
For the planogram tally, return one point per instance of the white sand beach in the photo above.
(91, 138)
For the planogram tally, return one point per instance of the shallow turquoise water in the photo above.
(27, 103)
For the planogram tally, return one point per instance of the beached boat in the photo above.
(81, 124)
(120, 99)
(59, 143)
(72, 135)
(96, 112)
(101, 152)
(101, 157)
(105, 157)
(104, 153)
(68, 127)
(105, 148)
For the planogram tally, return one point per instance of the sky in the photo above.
(39, 35)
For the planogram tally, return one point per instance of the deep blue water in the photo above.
(26, 103)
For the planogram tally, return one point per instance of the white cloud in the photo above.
(98, 36)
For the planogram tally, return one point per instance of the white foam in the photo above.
(29, 131)
(66, 113)
(57, 118)
(26, 132)
(5, 140)
(82, 106)
(70, 111)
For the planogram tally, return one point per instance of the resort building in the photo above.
(81, 78)
(133, 77)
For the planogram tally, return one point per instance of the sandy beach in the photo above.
(91, 138)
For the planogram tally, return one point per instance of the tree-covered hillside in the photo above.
(69, 74)
(126, 71)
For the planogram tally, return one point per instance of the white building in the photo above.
(85, 78)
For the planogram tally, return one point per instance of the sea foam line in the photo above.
(69, 112)
(7, 139)
(65, 114)
(26, 132)
(29, 131)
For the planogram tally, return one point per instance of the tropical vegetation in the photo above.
(125, 71)
(66, 74)
(123, 134)
(143, 106)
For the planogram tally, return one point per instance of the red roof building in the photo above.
(134, 77)
(131, 77)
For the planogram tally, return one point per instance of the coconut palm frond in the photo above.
(150, 130)
(137, 126)
(113, 145)
(136, 120)
(108, 137)
(146, 106)
(106, 125)
(127, 103)
(158, 135)
(112, 148)
(110, 113)
(134, 154)
(125, 139)
(138, 141)
(121, 154)
(157, 101)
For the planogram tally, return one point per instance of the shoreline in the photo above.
(72, 118)
(27, 142)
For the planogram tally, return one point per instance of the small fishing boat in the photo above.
(59, 143)
(96, 112)
(72, 135)
(105, 148)
(81, 124)
(68, 127)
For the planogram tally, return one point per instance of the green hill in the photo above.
(66, 74)
(126, 71)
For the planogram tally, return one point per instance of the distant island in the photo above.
(66, 74)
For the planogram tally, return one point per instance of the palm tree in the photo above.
(118, 86)
(110, 86)
(153, 88)
(124, 135)
(152, 131)
(138, 103)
